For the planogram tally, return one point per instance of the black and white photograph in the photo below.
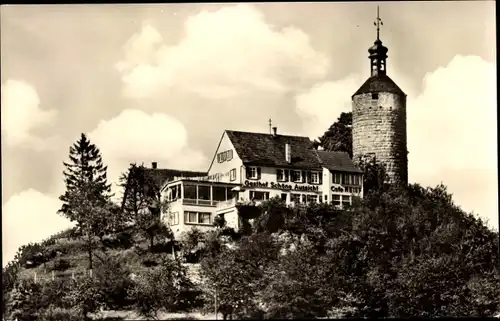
(268, 160)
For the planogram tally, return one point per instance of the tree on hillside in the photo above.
(413, 252)
(86, 200)
(400, 252)
(143, 205)
(234, 275)
(338, 137)
(134, 183)
(162, 287)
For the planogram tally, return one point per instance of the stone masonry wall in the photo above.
(379, 129)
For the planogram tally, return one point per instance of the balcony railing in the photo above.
(190, 201)
(202, 202)
(228, 203)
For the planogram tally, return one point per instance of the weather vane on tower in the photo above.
(378, 22)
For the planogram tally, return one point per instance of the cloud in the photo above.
(452, 134)
(224, 53)
(451, 128)
(29, 216)
(21, 114)
(323, 103)
(135, 136)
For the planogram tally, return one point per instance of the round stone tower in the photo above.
(379, 118)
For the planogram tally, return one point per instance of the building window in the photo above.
(337, 178)
(297, 176)
(374, 96)
(219, 193)
(225, 156)
(203, 192)
(280, 175)
(284, 197)
(336, 200)
(346, 201)
(204, 218)
(259, 196)
(311, 198)
(197, 218)
(253, 172)
(190, 191)
(174, 218)
(326, 198)
(232, 174)
(314, 178)
(295, 198)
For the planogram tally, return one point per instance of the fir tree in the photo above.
(86, 200)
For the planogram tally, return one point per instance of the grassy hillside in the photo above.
(64, 256)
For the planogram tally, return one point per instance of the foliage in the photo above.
(219, 221)
(142, 204)
(339, 136)
(112, 279)
(34, 254)
(161, 287)
(375, 179)
(55, 313)
(191, 242)
(233, 275)
(121, 240)
(295, 286)
(396, 253)
(61, 265)
(412, 253)
(23, 303)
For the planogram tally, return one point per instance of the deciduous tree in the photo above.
(338, 137)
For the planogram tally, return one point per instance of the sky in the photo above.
(162, 82)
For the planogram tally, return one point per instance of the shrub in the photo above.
(163, 287)
(54, 313)
(165, 247)
(61, 265)
(219, 221)
(123, 240)
(113, 282)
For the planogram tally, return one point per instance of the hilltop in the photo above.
(397, 253)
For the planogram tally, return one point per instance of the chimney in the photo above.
(288, 153)
(275, 131)
(154, 165)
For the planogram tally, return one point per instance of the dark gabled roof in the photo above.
(161, 175)
(379, 84)
(337, 161)
(269, 150)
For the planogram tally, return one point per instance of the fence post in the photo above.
(53, 275)
(73, 275)
(90, 272)
(215, 303)
(34, 278)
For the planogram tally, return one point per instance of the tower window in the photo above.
(374, 96)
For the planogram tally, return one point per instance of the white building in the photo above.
(256, 167)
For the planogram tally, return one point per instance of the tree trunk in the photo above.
(151, 240)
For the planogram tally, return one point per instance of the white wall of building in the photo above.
(225, 160)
